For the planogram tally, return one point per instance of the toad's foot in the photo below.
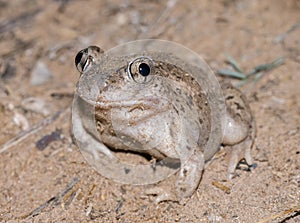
(162, 193)
(188, 180)
(238, 152)
(238, 139)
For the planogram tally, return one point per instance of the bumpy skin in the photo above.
(132, 103)
(240, 127)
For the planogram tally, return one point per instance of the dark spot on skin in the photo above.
(191, 100)
(172, 133)
(229, 97)
(238, 105)
(127, 170)
(182, 108)
(98, 49)
(104, 89)
(188, 148)
(184, 171)
(188, 104)
(201, 121)
(182, 189)
(175, 110)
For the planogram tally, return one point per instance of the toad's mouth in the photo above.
(136, 111)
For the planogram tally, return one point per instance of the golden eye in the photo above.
(141, 69)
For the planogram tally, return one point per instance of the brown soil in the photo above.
(35, 184)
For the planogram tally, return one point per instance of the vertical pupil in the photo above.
(144, 69)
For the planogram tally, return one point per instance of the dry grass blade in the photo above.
(230, 73)
(257, 71)
(286, 214)
(222, 187)
(266, 67)
(56, 200)
(233, 63)
(282, 36)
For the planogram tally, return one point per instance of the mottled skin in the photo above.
(134, 100)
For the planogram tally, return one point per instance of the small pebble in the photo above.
(21, 120)
(37, 105)
(40, 74)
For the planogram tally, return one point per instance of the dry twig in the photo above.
(290, 213)
(56, 200)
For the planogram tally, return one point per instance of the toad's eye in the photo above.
(80, 60)
(141, 69)
(86, 58)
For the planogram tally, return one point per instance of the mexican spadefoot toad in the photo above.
(146, 104)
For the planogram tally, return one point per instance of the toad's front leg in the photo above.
(189, 177)
(190, 174)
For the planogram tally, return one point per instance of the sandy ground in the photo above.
(55, 184)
